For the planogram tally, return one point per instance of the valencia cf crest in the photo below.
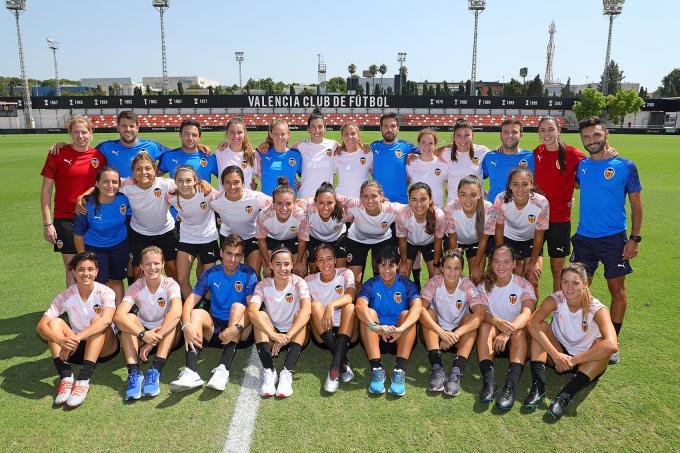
(293, 229)
(337, 228)
(289, 298)
(329, 153)
(238, 285)
(531, 218)
(349, 257)
(523, 163)
(157, 192)
(204, 205)
(94, 162)
(339, 290)
(475, 161)
(60, 243)
(98, 309)
(292, 162)
(609, 173)
(384, 225)
(249, 210)
(397, 297)
(362, 161)
(244, 164)
(459, 304)
(143, 150)
(584, 326)
(437, 172)
(513, 298)
(204, 162)
(161, 302)
(398, 153)
(123, 209)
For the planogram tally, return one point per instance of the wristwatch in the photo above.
(239, 327)
(635, 238)
(140, 335)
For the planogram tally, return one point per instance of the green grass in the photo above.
(633, 407)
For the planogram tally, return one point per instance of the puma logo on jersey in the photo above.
(216, 285)
(161, 302)
(68, 161)
(211, 253)
(98, 217)
(289, 298)
(116, 152)
(539, 157)
(560, 249)
(397, 297)
(267, 157)
(609, 173)
(493, 162)
(94, 162)
(238, 285)
(584, 170)
(175, 161)
(513, 298)
(621, 265)
(339, 290)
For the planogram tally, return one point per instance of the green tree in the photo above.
(368, 88)
(138, 91)
(512, 88)
(352, 69)
(291, 91)
(180, 87)
(373, 70)
(643, 92)
(100, 91)
(336, 85)
(468, 87)
(535, 87)
(359, 89)
(623, 103)
(382, 70)
(446, 91)
(461, 88)
(390, 91)
(403, 78)
(566, 91)
(148, 90)
(614, 78)
(591, 103)
(670, 84)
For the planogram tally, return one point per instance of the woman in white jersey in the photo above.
(472, 224)
(427, 167)
(326, 217)
(333, 323)
(511, 300)
(353, 163)
(580, 339)
(88, 336)
(152, 328)
(240, 152)
(463, 157)
(279, 311)
(522, 218)
(283, 225)
(373, 216)
(317, 156)
(238, 208)
(198, 234)
(420, 227)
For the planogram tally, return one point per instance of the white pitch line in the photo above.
(243, 421)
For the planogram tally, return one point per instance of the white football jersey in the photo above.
(353, 169)
(570, 330)
(327, 292)
(295, 226)
(464, 226)
(281, 306)
(506, 302)
(520, 224)
(197, 218)
(451, 307)
(367, 228)
(317, 165)
(81, 313)
(432, 173)
(152, 307)
(227, 157)
(239, 217)
(463, 166)
(324, 231)
(150, 208)
(414, 232)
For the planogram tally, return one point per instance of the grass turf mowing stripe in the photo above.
(245, 411)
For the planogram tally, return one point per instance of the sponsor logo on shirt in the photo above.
(397, 297)
(238, 285)
(459, 304)
(157, 192)
(384, 225)
(340, 290)
(98, 217)
(204, 205)
(398, 153)
(249, 210)
(122, 209)
(362, 161)
(98, 309)
(292, 162)
(513, 298)
(161, 302)
(584, 326)
(609, 173)
(437, 172)
(523, 163)
(289, 298)
(244, 164)
(531, 218)
(94, 162)
(293, 229)
(204, 162)
(493, 162)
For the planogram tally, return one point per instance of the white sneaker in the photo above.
(347, 375)
(187, 380)
(285, 388)
(219, 379)
(64, 390)
(331, 385)
(268, 382)
(614, 358)
(78, 393)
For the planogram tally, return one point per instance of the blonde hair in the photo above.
(79, 119)
(248, 150)
(347, 126)
(153, 250)
(428, 131)
(272, 125)
(586, 298)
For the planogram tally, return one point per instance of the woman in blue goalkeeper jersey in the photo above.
(280, 160)
(103, 230)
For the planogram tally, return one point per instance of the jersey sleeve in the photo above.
(260, 227)
(160, 150)
(263, 200)
(303, 229)
(411, 290)
(498, 206)
(80, 224)
(258, 294)
(173, 289)
(125, 185)
(485, 170)
(441, 226)
(400, 224)
(448, 214)
(212, 162)
(108, 297)
(49, 170)
(201, 287)
(132, 293)
(411, 148)
(367, 291)
(490, 216)
(430, 289)
(163, 163)
(57, 306)
(633, 181)
(302, 288)
(543, 220)
(348, 279)
(251, 282)
(578, 171)
(472, 295)
(528, 293)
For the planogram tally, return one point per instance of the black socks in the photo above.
(228, 353)
(86, 370)
(192, 358)
(538, 375)
(63, 368)
(401, 363)
(341, 345)
(460, 362)
(514, 373)
(158, 363)
(376, 363)
(294, 351)
(488, 373)
(435, 358)
(265, 355)
(578, 383)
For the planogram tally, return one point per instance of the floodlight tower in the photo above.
(239, 59)
(162, 6)
(54, 46)
(401, 58)
(551, 52)
(611, 8)
(476, 6)
(17, 7)
(321, 71)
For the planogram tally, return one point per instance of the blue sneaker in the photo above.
(134, 385)
(397, 386)
(377, 385)
(152, 382)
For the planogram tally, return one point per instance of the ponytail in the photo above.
(282, 187)
(480, 219)
(338, 211)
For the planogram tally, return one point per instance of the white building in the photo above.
(126, 84)
(156, 83)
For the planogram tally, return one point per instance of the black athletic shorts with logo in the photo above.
(207, 253)
(167, 242)
(557, 237)
(340, 247)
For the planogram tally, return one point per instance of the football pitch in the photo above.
(634, 407)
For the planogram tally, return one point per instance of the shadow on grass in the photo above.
(25, 343)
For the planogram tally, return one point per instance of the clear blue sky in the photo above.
(280, 39)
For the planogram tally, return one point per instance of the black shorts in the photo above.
(65, 243)
(426, 250)
(340, 247)
(112, 261)
(322, 345)
(79, 354)
(179, 345)
(167, 242)
(607, 249)
(358, 252)
(557, 237)
(218, 326)
(275, 244)
(522, 249)
(391, 348)
(249, 245)
(208, 253)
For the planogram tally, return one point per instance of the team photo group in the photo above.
(279, 253)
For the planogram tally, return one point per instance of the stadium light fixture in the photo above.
(162, 6)
(239, 59)
(17, 7)
(476, 6)
(401, 58)
(611, 8)
(54, 46)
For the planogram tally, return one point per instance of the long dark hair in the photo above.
(430, 216)
(489, 277)
(461, 123)
(508, 192)
(480, 218)
(316, 115)
(561, 149)
(338, 211)
(95, 194)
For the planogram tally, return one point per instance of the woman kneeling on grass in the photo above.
(580, 339)
(153, 328)
(452, 311)
(88, 337)
(279, 311)
(388, 307)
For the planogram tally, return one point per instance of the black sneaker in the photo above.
(452, 386)
(437, 380)
(488, 392)
(558, 406)
(506, 399)
(534, 397)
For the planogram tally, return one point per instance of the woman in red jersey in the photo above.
(68, 174)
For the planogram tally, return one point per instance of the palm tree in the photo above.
(373, 69)
(403, 72)
(352, 68)
(382, 69)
